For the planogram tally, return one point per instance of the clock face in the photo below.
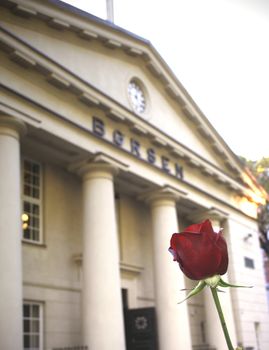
(137, 97)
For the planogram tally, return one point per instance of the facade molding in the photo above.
(51, 286)
(11, 126)
(132, 270)
(166, 193)
(99, 162)
(212, 213)
(11, 111)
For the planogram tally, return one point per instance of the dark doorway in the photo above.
(140, 326)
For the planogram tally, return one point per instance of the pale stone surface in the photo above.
(250, 307)
(101, 277)
(173, 320)
(10, 235)
(90, 79)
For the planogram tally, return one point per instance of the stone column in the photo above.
(102, 314)
(172, 319)
(10, 234)
(214, 333)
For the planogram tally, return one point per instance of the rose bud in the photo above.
(200, 252)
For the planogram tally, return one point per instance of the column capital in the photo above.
(11, 126)
(212, 213)
(100, 165)
(215, 215)
(166, 195)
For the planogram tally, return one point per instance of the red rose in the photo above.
(200, 252)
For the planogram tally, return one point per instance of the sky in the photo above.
(218, 50)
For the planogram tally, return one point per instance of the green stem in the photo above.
(221, 317)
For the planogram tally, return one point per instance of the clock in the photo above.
(137, 97)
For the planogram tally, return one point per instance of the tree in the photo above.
(260, 169)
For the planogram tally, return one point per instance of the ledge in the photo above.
(124, 267)
(130, 268)
(34, 244)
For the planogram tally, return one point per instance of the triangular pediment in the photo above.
(94, 61)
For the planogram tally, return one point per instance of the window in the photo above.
(32, 326)
(31, 206)
(249, 263)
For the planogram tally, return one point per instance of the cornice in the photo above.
(27, 56)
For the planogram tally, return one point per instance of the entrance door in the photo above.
(140, 329)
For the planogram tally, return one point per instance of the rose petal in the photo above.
(200, 252)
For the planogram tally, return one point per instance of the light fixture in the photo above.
(247, 237)
(25, 219)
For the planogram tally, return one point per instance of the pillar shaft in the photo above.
(10, 235)
(173, 319)
(102, 314)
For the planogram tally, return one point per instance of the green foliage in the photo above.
(263, 222)
(260, 169)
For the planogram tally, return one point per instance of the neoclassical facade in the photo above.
(103, 155)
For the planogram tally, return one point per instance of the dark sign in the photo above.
(119, 139)
(141, 329)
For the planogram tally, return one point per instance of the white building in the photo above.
(103, 155)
